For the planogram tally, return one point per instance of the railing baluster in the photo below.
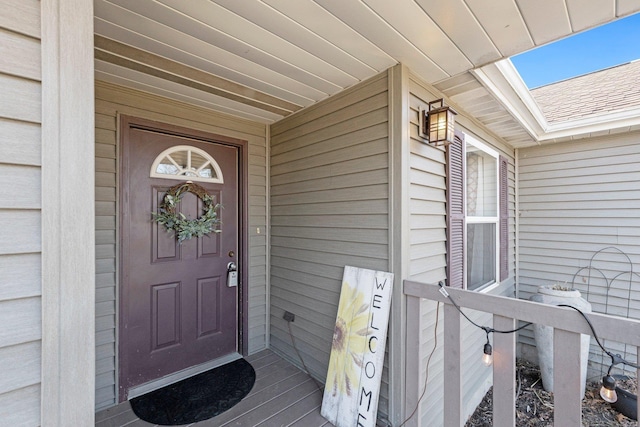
(452, 368)
(566, 379)
(504, 373)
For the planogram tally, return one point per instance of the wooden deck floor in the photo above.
(282, 396)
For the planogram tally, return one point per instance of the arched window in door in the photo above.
(188, 163)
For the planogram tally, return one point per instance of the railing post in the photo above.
(413, 368)
(452, 368)
(504, 373)
(566, 379)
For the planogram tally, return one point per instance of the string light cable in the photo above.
(426, 375)
(608, 389)
(308, 372)
(487, 357)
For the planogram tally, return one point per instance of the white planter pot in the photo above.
(544, 334)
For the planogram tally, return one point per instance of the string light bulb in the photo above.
(487, 357)
(608, 389)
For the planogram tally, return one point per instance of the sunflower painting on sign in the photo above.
(357, 352)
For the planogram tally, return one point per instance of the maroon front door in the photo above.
(177, 310)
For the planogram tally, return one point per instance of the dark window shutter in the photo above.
(504, 218)
(455, 170)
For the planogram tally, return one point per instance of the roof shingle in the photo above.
(612, 89)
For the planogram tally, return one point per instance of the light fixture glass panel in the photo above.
(437, 126)
(440, 126)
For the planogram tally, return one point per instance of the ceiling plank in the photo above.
(201, 55)
(147, 63)
(410, 20)
(457, 21)
(318, 20)
(272, 20)
(199, 30)
(589, 13)
(236, 32)
(626, 7)
(363, 20)
(546, 20)
(501, 19)
(130, 78)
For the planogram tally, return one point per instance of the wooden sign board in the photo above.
(357, 352)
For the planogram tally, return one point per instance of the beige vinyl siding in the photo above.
(106, 276)
(575, 199)
(329, 207)
(20, 219)
(427, 258)
(112, 100)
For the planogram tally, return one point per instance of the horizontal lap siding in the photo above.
(329, 208)
(575, 199)
(111, 100)
(20, 219)
(427, 260)
(106, 257)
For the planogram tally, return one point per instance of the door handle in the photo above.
(232, 275)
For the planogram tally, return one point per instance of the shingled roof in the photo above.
(612, 89)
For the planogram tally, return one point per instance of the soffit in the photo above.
(468, 94)
(263, 60)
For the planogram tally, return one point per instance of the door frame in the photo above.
(126, 123)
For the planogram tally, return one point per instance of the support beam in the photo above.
(68, 199)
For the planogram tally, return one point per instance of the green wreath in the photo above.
(177, 222)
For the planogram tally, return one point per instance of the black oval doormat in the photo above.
(198, 398)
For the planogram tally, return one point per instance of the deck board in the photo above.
(278, 403)
(305, 405)
(281, 396)
(313, 418)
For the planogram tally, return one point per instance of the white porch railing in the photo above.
(567, 323)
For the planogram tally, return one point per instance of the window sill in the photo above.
(488, 288)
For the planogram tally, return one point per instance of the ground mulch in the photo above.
(534, 406)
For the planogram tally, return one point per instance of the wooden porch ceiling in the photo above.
(265, 59)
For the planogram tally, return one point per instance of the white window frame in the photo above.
(183, 170)
(470, 139)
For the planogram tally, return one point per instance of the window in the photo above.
(481, 199)
(477, 214)
(188, 163)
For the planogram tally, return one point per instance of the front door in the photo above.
(177, 308)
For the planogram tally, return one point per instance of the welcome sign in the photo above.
(357, 352)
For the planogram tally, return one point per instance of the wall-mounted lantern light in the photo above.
(437, 123)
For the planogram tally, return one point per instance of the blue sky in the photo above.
(612, 44)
